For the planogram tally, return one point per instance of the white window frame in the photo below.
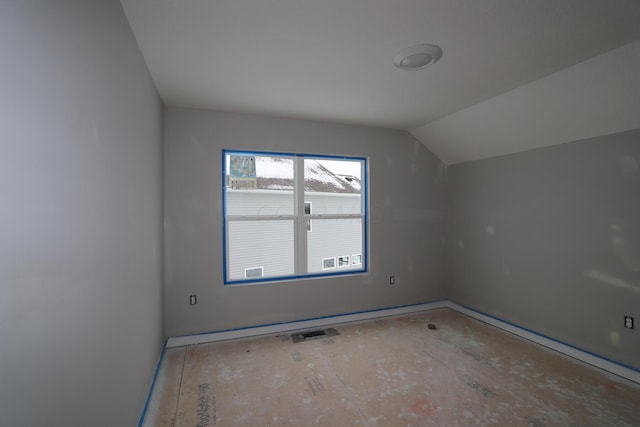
(302, 220)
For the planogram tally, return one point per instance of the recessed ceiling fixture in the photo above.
(417, 57)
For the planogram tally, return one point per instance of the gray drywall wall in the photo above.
(80, 216)
(550, 239)
(406, 222)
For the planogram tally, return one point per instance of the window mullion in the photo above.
(261, 217)
(300, 233)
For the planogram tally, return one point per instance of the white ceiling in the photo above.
(332, 60)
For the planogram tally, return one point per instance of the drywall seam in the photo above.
(301, 324)
(595, 360)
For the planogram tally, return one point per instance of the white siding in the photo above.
(280, 202)
(333, 238)
(334, 203)
(269, 243)
(259, 202)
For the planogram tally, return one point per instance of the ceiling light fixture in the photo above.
(417, 57)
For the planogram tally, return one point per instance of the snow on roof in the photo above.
(276, 173)
(274, 167)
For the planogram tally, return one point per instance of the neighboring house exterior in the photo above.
(266, 247)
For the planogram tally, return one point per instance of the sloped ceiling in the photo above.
(599, 96)
(332, 60)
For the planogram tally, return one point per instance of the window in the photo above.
(254, 272)
(328, 263)
(307, 211)
(356, 259)
(294, 215)
(344, 261)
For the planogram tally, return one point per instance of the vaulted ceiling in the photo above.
(332, 60)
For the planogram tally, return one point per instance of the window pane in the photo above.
(336, 239)
(333, 186)
(277, 203)
(259, 185)
(266, 244)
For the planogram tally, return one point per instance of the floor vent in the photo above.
(312, 335)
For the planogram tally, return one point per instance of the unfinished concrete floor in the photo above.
(388, 372)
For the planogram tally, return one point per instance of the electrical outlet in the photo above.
(392, 280)
(192, 300)
(628, 322)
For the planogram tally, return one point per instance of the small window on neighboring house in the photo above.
(272, 202)
(253, 272)
(356, 259)
(328, 263)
